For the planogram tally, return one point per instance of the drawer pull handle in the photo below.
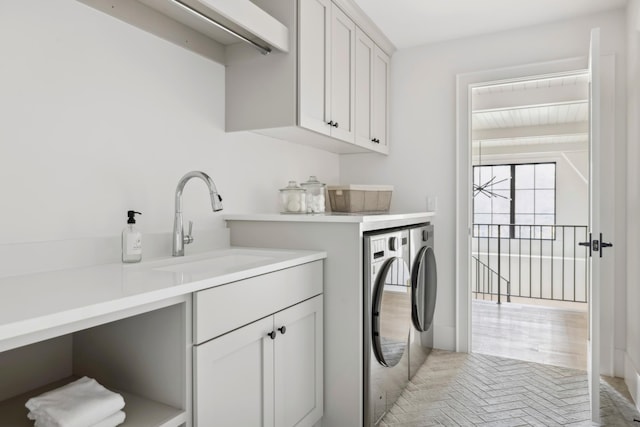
(272, 335)
(282, 329)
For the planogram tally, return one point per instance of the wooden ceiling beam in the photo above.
(531, 131)
(509, 100)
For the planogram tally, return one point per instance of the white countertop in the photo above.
(367, 221)
(328, 217)
(35, 302)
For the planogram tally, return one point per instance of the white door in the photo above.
(233, 378)
(380, 119)
(314, 61)
(298, 364)
(597, 246)
(364, 90)
(342, 93)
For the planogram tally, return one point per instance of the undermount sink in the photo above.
(216, 264)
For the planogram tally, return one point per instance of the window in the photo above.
(520, 195)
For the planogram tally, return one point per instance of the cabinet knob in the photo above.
(282, 329)
(272, 335)
(330, 123)
(335, 125)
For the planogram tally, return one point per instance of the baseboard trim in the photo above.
(632, 379)
(444, 337)
(618, 362)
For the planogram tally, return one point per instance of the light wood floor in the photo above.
(532, 333)
(472, 389)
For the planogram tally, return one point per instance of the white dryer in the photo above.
(424, 289)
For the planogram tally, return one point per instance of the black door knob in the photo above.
(282, 329)
(335, 125)
(604, 245)
(272, 335)
(330, 123)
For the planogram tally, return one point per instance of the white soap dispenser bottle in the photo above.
(131, 240)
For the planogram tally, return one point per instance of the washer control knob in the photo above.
(393, 243)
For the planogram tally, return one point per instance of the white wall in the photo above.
(632, 371)
(423, 124)
(99, 117)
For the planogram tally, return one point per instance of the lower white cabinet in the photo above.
(267, 373)
(298, 369)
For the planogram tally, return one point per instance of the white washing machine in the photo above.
(387, 321)
(424, 289)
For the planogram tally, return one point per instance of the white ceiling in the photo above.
(410, 23)
(544, 111)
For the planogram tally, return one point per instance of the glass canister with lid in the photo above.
(292, 199)
(314, 195)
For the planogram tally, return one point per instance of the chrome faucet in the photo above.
(179, 239)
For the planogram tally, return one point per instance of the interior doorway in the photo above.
(529, 209)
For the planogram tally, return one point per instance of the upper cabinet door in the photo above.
(342, 76)
(364, 89)
(380, 120)
(314, 24)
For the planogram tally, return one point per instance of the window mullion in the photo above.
(512, 202)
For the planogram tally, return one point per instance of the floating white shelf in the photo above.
(241, 16)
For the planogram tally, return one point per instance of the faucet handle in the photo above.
(189, 237)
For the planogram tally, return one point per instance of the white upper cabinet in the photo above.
(314, 43)
(372, 93)
(317, 93)
(364, 89)
(380, 101)
(326, 64)
(341, 76)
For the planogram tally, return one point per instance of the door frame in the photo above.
(464, 83)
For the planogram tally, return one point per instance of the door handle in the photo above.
(588, 243)
(596, 245)
(604, 245)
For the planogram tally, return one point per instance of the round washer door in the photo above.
(424, 280)
(391, 315)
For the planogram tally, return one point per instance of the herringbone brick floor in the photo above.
(460, 389)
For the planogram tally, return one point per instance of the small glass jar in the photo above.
(315, 195)
(292, 199)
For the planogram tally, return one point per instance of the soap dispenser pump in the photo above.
(131, 240)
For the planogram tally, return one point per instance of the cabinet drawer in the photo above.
(224, 308)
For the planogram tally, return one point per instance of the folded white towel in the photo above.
(113, 421)
(81, 403)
